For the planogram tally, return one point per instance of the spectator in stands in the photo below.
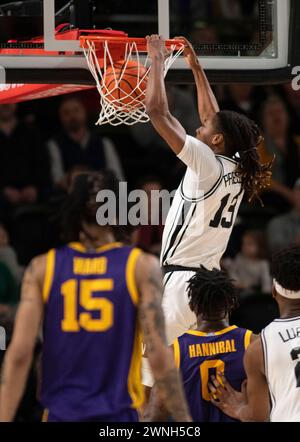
(79, 146)
(148, 237)
(282, 143)
(235, 9)
(284, 230)
(249, 268)
(205, 33)
(292, 97)
(240, 98)
(8, 256)
(24, 162)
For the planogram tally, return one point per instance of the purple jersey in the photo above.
(92, 342)
(199, 355)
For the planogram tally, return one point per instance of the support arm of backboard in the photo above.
(164, 18)
(50, 42)
(2, 75)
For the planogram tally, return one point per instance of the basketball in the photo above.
(125, 84)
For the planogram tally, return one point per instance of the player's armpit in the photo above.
(20, 351)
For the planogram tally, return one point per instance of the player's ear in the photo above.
(218, 139)
(274, 294)
(218, 143)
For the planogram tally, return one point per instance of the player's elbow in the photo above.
(19, 357)
(155, 110)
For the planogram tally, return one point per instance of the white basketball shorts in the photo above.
(178, 316)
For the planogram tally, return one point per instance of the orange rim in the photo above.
(141, 43)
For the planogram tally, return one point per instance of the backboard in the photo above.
(237, 40)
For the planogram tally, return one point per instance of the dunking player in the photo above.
(88, 294)
(222, 163)
(272, 363)
(212, 346)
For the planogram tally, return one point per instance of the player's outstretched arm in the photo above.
(252, 405)
(19, 354)
(157, 107)
(207, 103)
(167, 379)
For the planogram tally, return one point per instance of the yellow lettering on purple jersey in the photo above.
(233, 348)
(89, 266)
(192, 351)
(205, 350)
(227, 346)
(212, 348)
(222, 347)
(198, 350)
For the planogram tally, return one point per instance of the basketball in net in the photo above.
(121, 74)
(125, 85)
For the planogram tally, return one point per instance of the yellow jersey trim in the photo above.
(50, 265)
(81, 248)
(45, 415)
(220, 332)
(176, 353)
(134, 380)
(247, 338)
(130, 275)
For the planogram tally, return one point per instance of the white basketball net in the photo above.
(131, 109)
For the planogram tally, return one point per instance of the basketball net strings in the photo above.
(114, 111)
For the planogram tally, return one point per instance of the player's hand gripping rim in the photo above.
(189, 52)
(156, 46)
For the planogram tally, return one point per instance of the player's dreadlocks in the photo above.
(211, 294)
(80, 205)
(285, 268)
(243, 136)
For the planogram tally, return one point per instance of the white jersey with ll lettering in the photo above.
(204, 208)
(281, 347)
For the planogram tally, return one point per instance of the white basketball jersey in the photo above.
(204, 209)
(281, 346)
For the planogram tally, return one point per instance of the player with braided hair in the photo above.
(214, 346)
(236, 128)
(222, 166)
(212, 296)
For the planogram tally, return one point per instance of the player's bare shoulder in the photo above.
(35, 272)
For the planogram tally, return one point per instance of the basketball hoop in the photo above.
(112, 57)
